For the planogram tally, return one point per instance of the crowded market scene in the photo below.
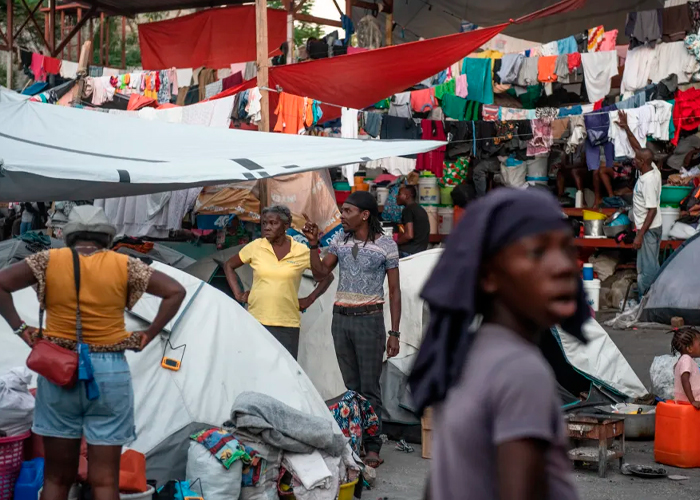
(302, 245)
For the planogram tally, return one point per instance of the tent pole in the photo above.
(289, 6)
(263, 61)
(10, 42)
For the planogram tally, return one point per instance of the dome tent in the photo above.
(226, 352)
(674, 290)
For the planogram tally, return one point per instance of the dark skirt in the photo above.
(287, 336)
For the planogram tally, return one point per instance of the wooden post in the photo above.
(389, 28)
(63, 31)
(52, 26)
(289, 4)
(80, 37)
(263, 61)
(107, 45)
(92, 41)
(85, 60)
(10, 42)
(102, 39)
(123, 42)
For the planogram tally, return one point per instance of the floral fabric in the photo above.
(355, 415)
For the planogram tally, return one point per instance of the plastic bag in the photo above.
(662, 376)
(16, 403)
(218, 483)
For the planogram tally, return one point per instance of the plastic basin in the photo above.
(673, 195)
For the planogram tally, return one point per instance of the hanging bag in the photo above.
(57, 364)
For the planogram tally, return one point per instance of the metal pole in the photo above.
(263, 61)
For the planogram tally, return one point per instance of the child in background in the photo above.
(686, 388)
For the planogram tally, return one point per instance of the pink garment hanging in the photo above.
(609, 41)
(37, 67)
(434, 160)
(461, 86)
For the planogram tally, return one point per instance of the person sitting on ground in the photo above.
(416, 225)
(109, 282)
(278, 263)
(686, 374)
(498, 431)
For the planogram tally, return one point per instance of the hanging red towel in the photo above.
(52, 65)
(686, 112)
(434, 160)
(574, 61)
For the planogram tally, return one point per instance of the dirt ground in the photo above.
(403, 475)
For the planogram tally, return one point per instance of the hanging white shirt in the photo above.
(184, 77)
(674, 58)
(550, 49)
(69, 69)
(663, 112)
(639, 121)
(598, 69)
(349, 130)
(638, 67)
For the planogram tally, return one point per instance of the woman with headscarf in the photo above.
(366, 257)
(278, 263)
(498, 432)
(101, 406)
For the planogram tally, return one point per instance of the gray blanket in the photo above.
(284, 427)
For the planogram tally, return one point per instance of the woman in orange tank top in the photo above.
(102, 412)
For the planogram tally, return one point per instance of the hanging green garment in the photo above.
(479, 79)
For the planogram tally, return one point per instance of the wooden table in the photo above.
(607, 431)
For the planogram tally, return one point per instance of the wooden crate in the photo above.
(427, 433)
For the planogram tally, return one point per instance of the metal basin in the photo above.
(593, 228)
(637, 426)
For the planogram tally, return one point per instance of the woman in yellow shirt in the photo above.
(278, 263)
(102, 408)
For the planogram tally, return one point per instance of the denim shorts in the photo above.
(106, 421)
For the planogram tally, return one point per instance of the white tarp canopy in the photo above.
(7, 95)
(227, 352)
(59, 153)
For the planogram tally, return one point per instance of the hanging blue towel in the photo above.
(479, 79)
(567, 45)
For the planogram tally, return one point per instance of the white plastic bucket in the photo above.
(382, 195)
(669, 217)
(146, 495)
(428, 191)
(433, 218)
(592, 289)
(445, 220)
(388, 228)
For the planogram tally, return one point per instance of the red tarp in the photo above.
(214, 38)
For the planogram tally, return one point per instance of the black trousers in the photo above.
(287, 336)
(359, 343)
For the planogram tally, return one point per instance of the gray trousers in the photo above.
(648, 260)
(287, 336)
(359, 346)
(481, 171)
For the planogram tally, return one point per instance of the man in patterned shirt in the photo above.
(366, 256)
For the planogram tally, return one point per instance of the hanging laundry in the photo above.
(550, 49)
(639, 121)
(510, 68)
(595, 38)
(184, 77)
(609, 41)
(513, 114)
(542, 113)
(694, 15)
(212, 89)
(528, 72)
(174, 82)
(542, 139)
(95, 71)
(567, 45)
(686, 112)
(598, 69)
(663, 113)
(69, 69)
(253, 108)
(561, 68)
(574, 61)
(52, 66)
(164, 90)
(232, 81)
(674, 58)
(206, 76)
(423, 101)
(372, 123)
(490, 112)
(560, 127)
(348, 130)
(215, 113)
(460, 137)
(461, 87)
(102, 90)
(401, 105)
(433, 160)
(577, 128)
(644, 28)
(479, 79)
(290, 114)
(394, 127)
(638, 67)
(446, 88)
(597, 136)
(546, 69)
(37, 67)
(454, 107)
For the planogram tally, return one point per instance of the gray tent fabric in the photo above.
(429, 19)
(284, 427)
(674, 291)
(16, 250)
(163, 254)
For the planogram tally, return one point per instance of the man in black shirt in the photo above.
(416, 226)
